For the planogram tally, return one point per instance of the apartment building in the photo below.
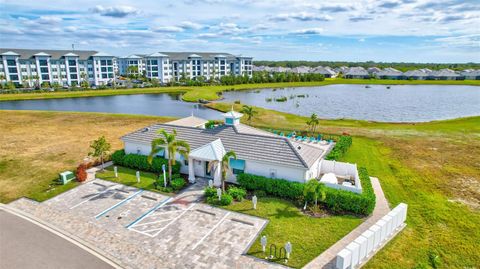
(173, 66)
(65, 67)
(131, 65)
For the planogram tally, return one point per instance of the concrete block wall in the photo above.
(368, 243)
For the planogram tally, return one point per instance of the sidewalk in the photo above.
(327, 258)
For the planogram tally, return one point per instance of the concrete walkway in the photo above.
(327, 258)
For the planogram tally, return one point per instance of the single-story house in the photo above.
(444, 74)
(373, 70)
(420, 74)
(258, 152)
(389, 73)
(325, 71)
(356, 72)
(471, 74)
(301, 70)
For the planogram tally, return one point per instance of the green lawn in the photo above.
(309, 236)
(193, 94)
(128, 177)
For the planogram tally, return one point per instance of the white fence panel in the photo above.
(355, 249)
(344, 259)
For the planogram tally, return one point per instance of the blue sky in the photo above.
(362, 30)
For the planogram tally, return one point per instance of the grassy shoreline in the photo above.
(193, 94)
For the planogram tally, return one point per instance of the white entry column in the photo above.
(191, 171)
(217, 176)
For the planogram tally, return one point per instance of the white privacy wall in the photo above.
(341, 169)
(265, 169)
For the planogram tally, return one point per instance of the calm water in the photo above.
(405, 103)
(399, 103)
(146, 104)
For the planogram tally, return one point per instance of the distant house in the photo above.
(280, 69)
(444, 74)
(301, 70)
(420, 74)
(471, 74)
(356, 72)
(389, 73)
(325, 71)
(341, 69)
(373, 70)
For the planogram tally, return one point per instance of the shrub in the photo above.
(177, 183)
(237, 193)
(341, 147)
(81, 172)
(276, 187)
(210, 192)
(164, 189)
(338, 201)
(225, 199)
(140, 162)
(260, 193)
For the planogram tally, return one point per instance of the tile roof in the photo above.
(211, 151)
(26, 54)
(176, 56)
(190, 121)
(356, 71)
(249, 146)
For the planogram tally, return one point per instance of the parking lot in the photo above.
(181, 229)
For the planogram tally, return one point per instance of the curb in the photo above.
(64, 235)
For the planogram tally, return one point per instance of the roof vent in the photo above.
(146, 129)
(299, 147)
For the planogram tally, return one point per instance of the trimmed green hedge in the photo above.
(140, 162)
(338, 201)
(341, 147)
(275, 187)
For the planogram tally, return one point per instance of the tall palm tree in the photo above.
(316, 190)
(249, 111)
(172, 145)
(313, 122)
(224, 165)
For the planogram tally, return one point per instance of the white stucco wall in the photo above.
(251, 167)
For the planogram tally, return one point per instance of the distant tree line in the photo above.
(400, 66)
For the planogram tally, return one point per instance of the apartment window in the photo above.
(45, 77)
(24, 69)
(12, 70)
(109, 62)
(104, 69)
(13, 77)
(71, 62)
(154, 74)
(155, 68)
(104, 76)
(11, 62)
(73, 76)
(154, 62)
(44, 69)
(72, 69)
(43, 62)
(103, 62)
(222, 62)
(110, 69)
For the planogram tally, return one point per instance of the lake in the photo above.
(144, 104)
(400, 103)
(406, 103)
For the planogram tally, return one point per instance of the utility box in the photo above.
(66, 177)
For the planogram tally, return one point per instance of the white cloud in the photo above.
(115, 11)
(310, 31)
(190, 25)
(168, 29)
(301, 16)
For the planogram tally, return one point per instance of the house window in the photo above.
(238, 166)
(273, 173)
(161, 153)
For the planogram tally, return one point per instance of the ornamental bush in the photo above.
(210, 192)
(177, 183)
(225, 199)
(237, 193)
(81, 173)
(338, 201)
(140, 162)
(341, 147)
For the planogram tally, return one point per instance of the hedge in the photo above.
(140, 162)
(275, 187)
(341, 147)
(338, 201)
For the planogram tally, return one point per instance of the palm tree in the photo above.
(173, 146)
(224, 165)
(249, 111)
(313, 122)
(315, 189)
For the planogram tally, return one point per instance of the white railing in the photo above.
(360, 250)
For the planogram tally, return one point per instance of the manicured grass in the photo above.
(128, 177)
(193, 94)
(309, 236)
(36, 146)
